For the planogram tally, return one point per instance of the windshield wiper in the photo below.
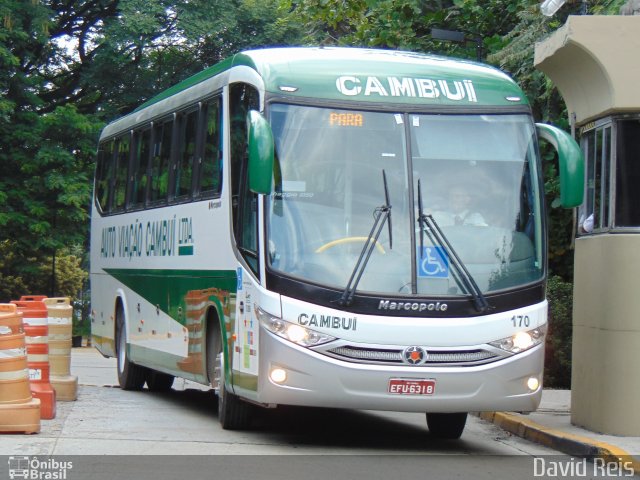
(462, 276)
(381, 214)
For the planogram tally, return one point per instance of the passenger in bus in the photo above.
(459, 209)
(586, 224)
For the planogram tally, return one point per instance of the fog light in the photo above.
(533, 383)
(278, 375)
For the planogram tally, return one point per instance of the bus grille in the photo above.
(380, 356)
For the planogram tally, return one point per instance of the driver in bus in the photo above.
(459, 209)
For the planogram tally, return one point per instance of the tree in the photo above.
(70, 271)
(43, 187)
(12, 285)
(407, 24)
(68, 67)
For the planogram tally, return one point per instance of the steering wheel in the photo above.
(343, 240)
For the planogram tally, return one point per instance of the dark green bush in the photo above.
(557, 364)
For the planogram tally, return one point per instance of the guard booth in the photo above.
(593, 60)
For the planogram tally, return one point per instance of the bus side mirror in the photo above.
(571, 164)
(261, 153)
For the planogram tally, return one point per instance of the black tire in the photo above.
(446, 425)
(130, 375)
(233, 413)
(158, 381)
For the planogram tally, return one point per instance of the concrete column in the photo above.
(606, 334)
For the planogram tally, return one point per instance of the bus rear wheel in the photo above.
(446, 425)
(130, 375)
(233, 413)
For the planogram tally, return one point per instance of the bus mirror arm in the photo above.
(571, 164)
(261, 153)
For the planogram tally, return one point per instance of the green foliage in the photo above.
(12, 285)
(44, 206)
(70, 276)
(153, 44)
(407, 24)
(557, 368)
(81, 326)
(68, 67)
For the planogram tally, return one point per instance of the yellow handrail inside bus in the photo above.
(340, 241)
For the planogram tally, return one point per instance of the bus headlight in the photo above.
(521, 341)
(293, 332)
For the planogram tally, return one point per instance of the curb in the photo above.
(564, 442)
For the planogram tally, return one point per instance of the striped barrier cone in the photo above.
(36, 329)
(19, 411)
(32, 298)
(60, 322)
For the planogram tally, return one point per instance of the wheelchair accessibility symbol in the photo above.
(433, 263)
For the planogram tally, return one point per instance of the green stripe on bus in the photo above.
(167, 289)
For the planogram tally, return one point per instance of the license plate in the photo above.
(406, 386)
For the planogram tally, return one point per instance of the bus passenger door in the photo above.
(245, 349)
(242, 99)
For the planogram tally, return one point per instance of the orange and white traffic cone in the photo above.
(60, 322)
(35, 318)
(19, 411)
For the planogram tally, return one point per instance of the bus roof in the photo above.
(367, 75)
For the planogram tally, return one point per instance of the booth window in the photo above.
(594, 212)
(612, 171)
(627, 193)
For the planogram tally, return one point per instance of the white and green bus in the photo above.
(275, 227)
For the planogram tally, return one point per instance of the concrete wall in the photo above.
(606, 334)
(592, 59)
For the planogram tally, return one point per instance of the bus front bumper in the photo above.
(314, 379)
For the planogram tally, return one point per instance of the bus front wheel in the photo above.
(233, 413)
(130, 375)
(446, 425)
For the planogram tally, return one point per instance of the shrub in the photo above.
(557, 365)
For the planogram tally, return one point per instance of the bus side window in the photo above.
(104, 173)
(210, 170)
(183, 168)
(139, 169)
(121, 173)
(160, 162)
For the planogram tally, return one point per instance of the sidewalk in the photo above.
(551, 426)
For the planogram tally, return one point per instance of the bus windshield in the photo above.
(479, 182)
